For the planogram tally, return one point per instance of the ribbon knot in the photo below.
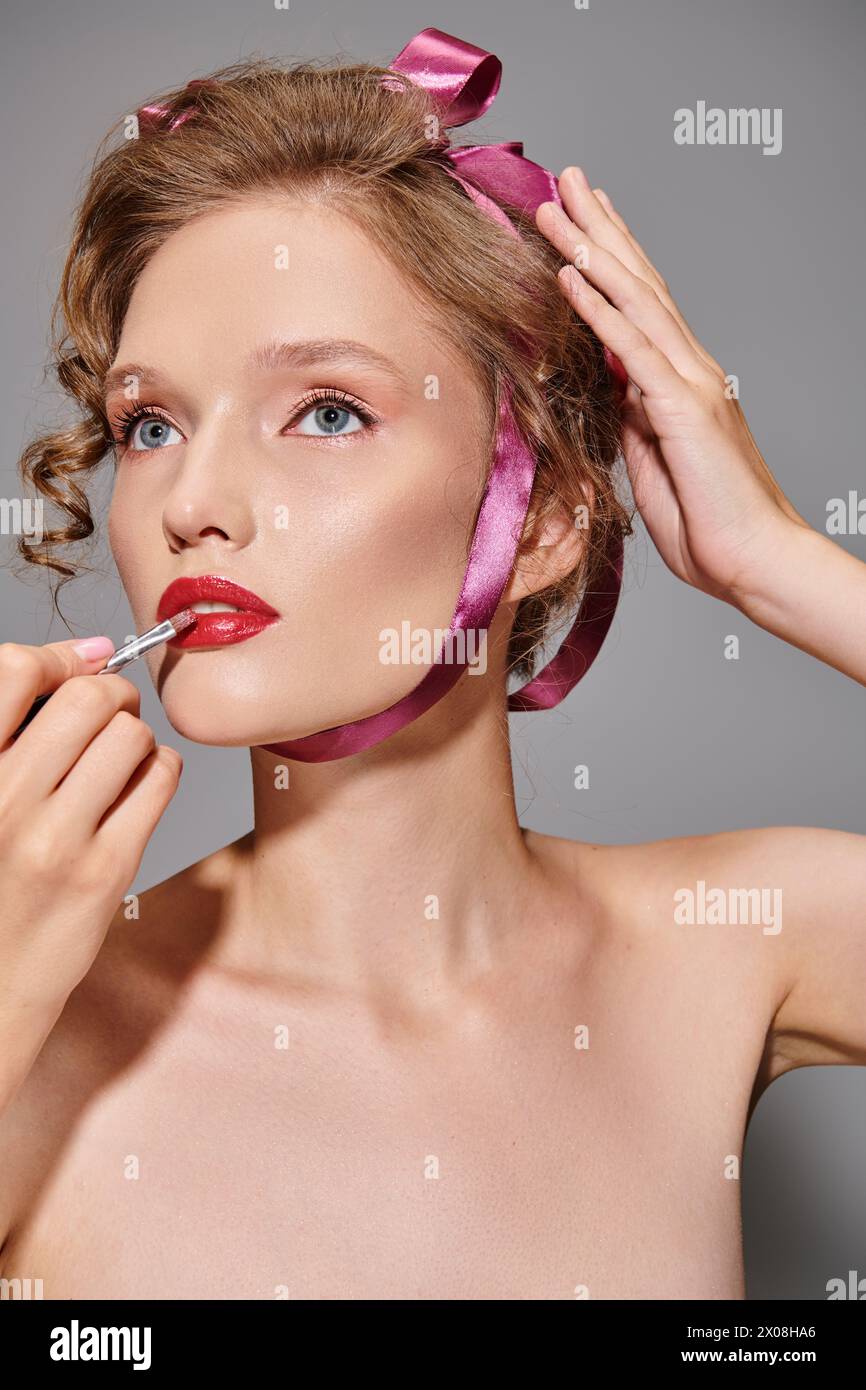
(463, 81)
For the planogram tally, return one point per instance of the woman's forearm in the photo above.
(815, 598)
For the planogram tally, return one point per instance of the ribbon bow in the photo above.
(464, 81)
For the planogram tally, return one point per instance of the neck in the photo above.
(400, 871)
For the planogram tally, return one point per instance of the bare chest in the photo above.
(587, 1152)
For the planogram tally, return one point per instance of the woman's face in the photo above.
(347, 517)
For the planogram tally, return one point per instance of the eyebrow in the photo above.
(272, 356)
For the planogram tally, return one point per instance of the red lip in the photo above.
(215, 629)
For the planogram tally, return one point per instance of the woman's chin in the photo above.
(204, 713)
(218, 728)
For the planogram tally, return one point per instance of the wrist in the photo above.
(795, 554)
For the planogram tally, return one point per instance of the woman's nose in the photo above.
(210, 494)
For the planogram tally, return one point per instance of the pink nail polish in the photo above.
(93, 648)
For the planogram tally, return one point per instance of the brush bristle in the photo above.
(184, 619)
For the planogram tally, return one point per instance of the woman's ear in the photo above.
(556, 549)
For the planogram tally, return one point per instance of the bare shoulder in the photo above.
(773, 875)
(780, 906)
(152, 945)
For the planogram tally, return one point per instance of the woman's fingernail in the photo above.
(93, 648)
(560, 218)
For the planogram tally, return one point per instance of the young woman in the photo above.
(388, 1044)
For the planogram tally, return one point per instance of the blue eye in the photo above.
(334, 413)
(144, 429)
(330, 419)
(152, 432)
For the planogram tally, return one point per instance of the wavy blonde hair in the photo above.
(335, 134)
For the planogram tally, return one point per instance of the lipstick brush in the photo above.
(130, 651)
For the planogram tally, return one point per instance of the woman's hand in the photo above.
(717, 516)
(708, 499)
(81, 791)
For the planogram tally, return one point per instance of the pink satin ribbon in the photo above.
(159, 119)
(464, 80)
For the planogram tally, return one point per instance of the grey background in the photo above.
(763, 256)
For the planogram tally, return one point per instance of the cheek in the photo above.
(131, 538)
(378, 553)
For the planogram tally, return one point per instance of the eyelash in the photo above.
(124, 422)
(330, 396)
